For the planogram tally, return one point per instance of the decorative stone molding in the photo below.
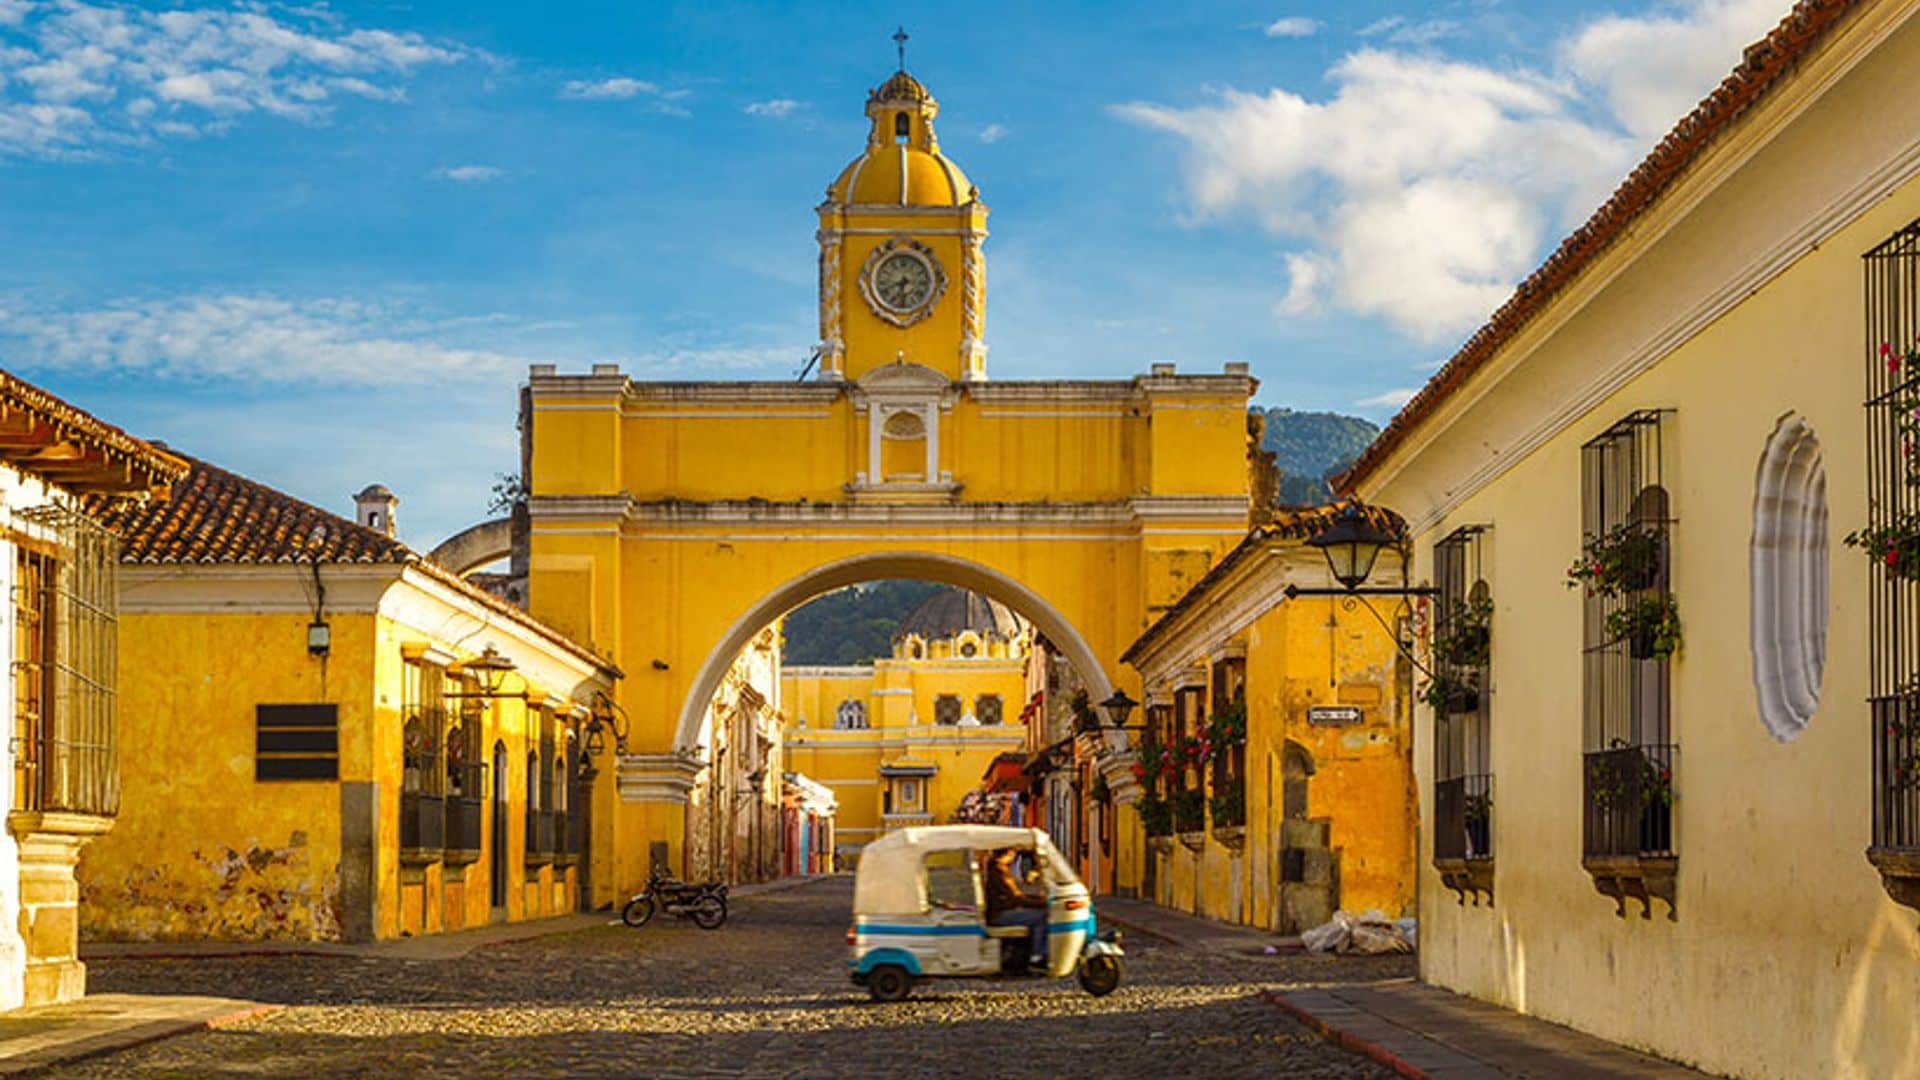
(1231, 837)
(973, 283)
(658, 778)
(832, 342)
(1160, 845)
(1193, 841)
(1635, 877)
(1899, 873)
(1787, 565)
(1468, 877)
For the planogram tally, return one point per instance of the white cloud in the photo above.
(1423, 188)
(776, 108)
(1391, 399)
(657, 98)
(88, 77)
(1650, 71)
(993, 133)
(252, 339)
(467, 174)
(1415, 34)
(1292, 26)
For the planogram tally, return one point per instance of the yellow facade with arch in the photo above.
(673, 520)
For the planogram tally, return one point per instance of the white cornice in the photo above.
(215, 588)
(656, 778)
(1199, 510)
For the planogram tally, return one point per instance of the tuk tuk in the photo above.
(919, 913)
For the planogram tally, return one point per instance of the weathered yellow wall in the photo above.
(1786, 958)
(203, 850)
(200, 849)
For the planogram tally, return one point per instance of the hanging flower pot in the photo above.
(1650, 625)
(1451, 695)
(1895, 546)
(1624, 559)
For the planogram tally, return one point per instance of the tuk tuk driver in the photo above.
(1010, 905)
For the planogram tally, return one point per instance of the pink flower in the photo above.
(1886, 348)
(1893, 363)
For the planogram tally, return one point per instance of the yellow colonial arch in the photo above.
(670, 521)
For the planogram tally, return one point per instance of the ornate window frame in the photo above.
(901, 244)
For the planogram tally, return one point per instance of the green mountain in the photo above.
(853, 625)
(1309, 445)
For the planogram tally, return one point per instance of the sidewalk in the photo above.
(1423, 1031)
(51, 1034)
(1190, 931)
(1417, 1030)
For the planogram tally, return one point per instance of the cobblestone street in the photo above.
(765, 996)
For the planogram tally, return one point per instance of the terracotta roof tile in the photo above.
(154, 464)
(215, 516)
(1761, 68)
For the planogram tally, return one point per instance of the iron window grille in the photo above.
(1628, 765)
(423, 782)
(1461, 661)
(1892, 537)
(946, 710)
(65, 598)
(988, 708)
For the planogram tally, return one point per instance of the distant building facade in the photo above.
(901, 741)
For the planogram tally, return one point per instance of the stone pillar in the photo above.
(50, 846)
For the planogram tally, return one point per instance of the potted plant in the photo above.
(1451, 694)
(1895, 546)
(1227, 727)
(1624, 559)
(1465, 638)
(1228, 809)
(1155, 816)
(1649, 624)
(1190, 816)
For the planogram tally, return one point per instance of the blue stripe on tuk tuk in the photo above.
(1069, 927)
(921, 931)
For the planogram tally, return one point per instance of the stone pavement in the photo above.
(51, 1034)
(767, 995)
(1422, 1031)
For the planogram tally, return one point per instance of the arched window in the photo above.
(1787, 563)
(902, 125)
(851, 715)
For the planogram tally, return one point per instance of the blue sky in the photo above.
(319, 244)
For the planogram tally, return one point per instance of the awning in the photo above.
(1006, 774)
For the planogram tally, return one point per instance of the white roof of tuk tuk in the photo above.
(889, 882)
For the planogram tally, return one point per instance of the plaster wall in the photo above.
(1785, 957)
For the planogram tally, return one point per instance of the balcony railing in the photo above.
(423, 827)
(1629, 795)
(539, 838)
(464, 823)
(1463, 817)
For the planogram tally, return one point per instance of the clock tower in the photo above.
(902, 275)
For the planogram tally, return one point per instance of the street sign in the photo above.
(1333, 714)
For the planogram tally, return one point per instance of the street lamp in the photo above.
(1351, 545)
(1118, 708)
(489, 671)
(604, 716)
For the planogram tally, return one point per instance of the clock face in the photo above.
(902, 281)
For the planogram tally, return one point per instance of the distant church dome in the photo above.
(951, 612)
(902, 165)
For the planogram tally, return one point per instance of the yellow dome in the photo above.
(902, 165)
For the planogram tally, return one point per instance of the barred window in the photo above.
(1462, 661)
(1631, 629)
(946, 709)
(988, 708)
(65, 606)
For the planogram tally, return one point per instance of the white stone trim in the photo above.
(1787, 566)
(658, 778)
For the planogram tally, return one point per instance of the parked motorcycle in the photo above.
(705, 904)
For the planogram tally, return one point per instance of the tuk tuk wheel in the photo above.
(1100, 975)
(889, 982)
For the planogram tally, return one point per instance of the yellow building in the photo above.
(337, 738)
(671, 522)
(1306, 804)
(58, 762)
(1696, 827)
(902, 740)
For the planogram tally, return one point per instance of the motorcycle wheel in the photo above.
(638, 912)
(708, 912)
(1100, 975)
